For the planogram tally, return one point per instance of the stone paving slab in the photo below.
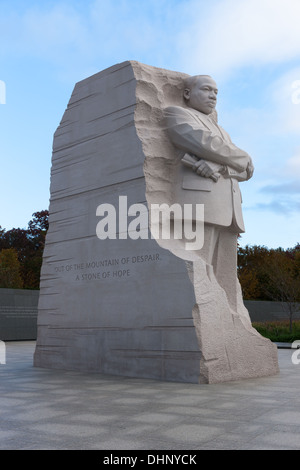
(51, 409)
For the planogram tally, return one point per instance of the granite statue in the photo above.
(208, 168)
(143, 306)
(209, 173)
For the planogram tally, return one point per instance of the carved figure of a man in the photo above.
(208, 172)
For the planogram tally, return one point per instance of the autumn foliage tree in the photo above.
(28, 244)
(284, 281)
(10, 269)
(271, 275)
(251, 262)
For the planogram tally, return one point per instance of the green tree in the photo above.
(251, 261)
(283, 284)
(268, 274)
(29, 244)
(10, 272)
(36, 234)
(249, 283)
(39, 223)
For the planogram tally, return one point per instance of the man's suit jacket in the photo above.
(195, 133)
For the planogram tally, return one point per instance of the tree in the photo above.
(249, 283)
(252, 277)
(271, 275)
(36, 234)
(10, 272)
(283, 283)
(39, 223)
(29, 244)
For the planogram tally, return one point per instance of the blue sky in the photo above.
(250, 47)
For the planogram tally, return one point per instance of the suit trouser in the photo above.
(218, 257)
(214, 266)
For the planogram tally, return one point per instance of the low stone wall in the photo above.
(262, 311)
(18, 314)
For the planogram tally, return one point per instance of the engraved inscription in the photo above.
(96, 270)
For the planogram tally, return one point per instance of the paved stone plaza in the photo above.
(50, 409)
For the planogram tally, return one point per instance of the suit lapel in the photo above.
(206, 122)
(201, 118)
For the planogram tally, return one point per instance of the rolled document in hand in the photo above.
(190, 160)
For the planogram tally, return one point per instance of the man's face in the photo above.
(203, 95)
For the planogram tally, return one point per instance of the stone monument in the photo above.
(119, 298)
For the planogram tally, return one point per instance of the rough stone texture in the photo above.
(125, 307)
(136, 320)
(231, 349)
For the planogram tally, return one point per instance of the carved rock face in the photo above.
(125, 306)
(202, 95)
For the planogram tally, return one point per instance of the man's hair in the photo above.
(189, 82)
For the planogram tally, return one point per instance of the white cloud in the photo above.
(293, 166)
(61, 26)
(61, 32)
(285, 96)
(47, 33)
(243, 32)
(191, 35)
(268, 127)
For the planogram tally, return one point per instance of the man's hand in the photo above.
(250, 169)
(202, 169)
